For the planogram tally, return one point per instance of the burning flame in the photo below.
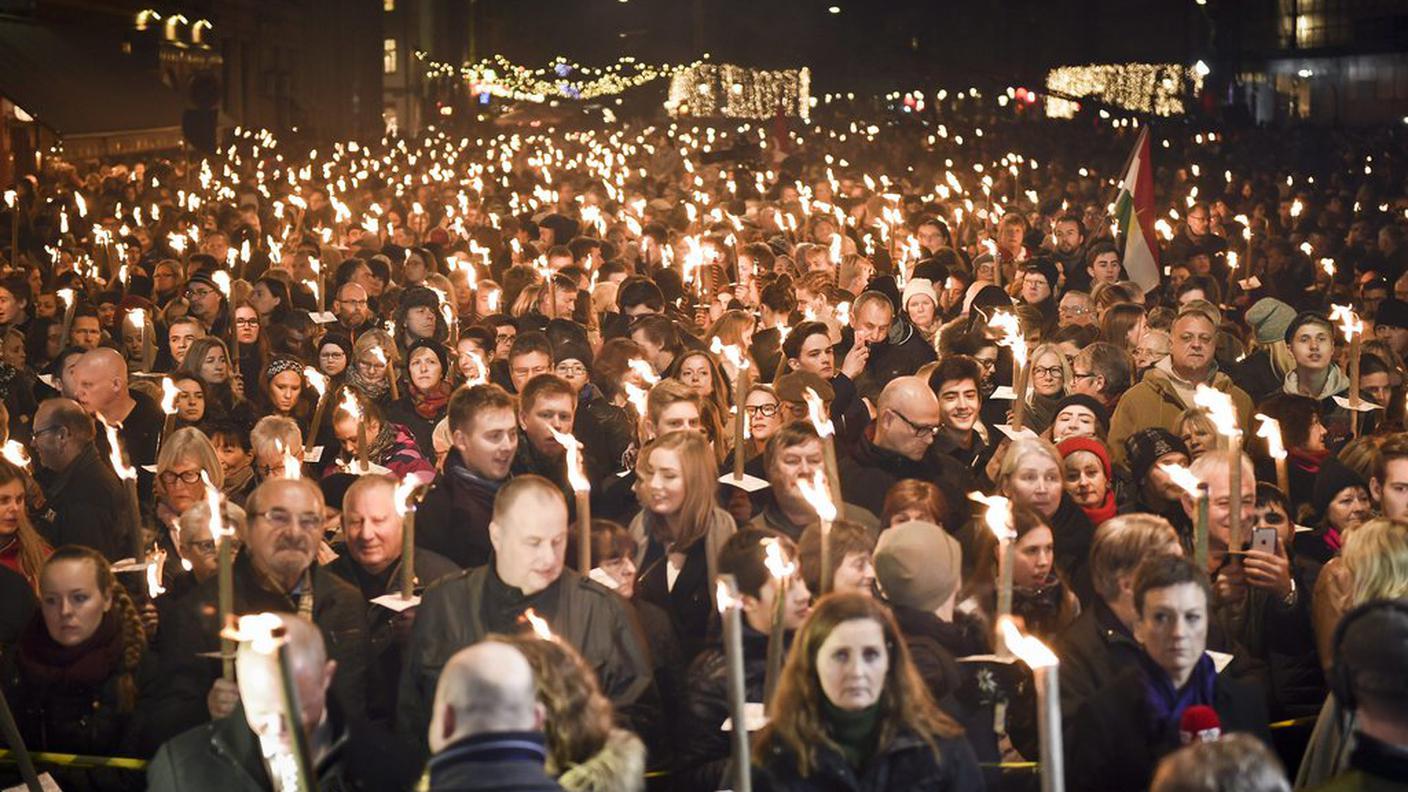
(115, 451)
(576, 471)
(638, 397)
(816, 413)
(405, 497)
(726, 596)
(349, 403)
(156, 563)
(1012, 336)
(262, 631)
(643, 369)
(1027, 648)
(730, 352)
(317, 380)
(818, 495)
(221, 279)
(1350, 323)
(1183, 477)
(779, 566)
(67, 296)
(1220, 409)
(539, 625)
(15, 453)
(169, 392)
(998, 517)
(479, 377)
(1270, 430)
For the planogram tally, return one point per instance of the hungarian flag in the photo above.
(1134, 216)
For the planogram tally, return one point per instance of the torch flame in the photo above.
(1270, 430)
(539, 625)
(779, 566)
(816, 413)
(405, 497)
(998, 517)
(638, 397)
(15, 453)
(1027, 648)
(262, 631)
(576, 471)
(115, 451)
(221, 279)
(156, 563)
(730, 352)
(169, 392)
(349, 403)
(726, 596)
(818, 495)
(1350, 323)
(643, 369)
(1183, 477)
(1220, 409)
(1011, 334)
(317, 380)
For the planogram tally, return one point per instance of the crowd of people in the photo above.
(567, 346)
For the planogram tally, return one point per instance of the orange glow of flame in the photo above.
(726, 596)
(156, 562)
(406, 494)
(1012, 337)
(816, 413)
(1026, 648)
(1270, 430)
(262, 631)
(1183, 477)
(730, 352)
(818, 495)
(350, 405)
(169, 392)
(643, 370)
(15, 453)
(779, 566)
(539, 625)
(998, 517)
(576, 471)
(317, 380)
(115, 452)
(1220, 409)
(1350, 323)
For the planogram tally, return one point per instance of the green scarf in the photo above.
(855, 731)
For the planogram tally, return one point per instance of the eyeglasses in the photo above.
(207, 547)
(37, 431)
(171, 477)
(1048, 371)
(283, 518)
(333, 355)
(1073, 310)
(199, 294)
(1078, 375)
(765, 410)
(569, 370)
(986, 363)
(920, 430)
(246, 323)
(352, 303)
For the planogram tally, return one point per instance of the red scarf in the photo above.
(45, 661)
(430, 404)
(1103, 512)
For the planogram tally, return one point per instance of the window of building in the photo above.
(388, 58)
(388, 5)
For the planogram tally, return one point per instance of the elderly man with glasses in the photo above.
(276, 570)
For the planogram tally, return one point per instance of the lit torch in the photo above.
(1198, 491)
(1353, 328)
(739, 360)
(1013, 339)
(1270, 430)
(781, 569)
(815, 492)
(730, 605)
(999, 520)
(1045, 669)
(582, 490)
(1224, 416)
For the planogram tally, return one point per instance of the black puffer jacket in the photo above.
(905, 764)
(703, 752)
(453, 518)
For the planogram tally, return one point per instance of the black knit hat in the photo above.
(1392, 312)
(419, 296)
(434, 346)
(1147, 446)
(1102, 415)
(1045, 268)
(1334, 477)
(569, 342)
(1305, 318)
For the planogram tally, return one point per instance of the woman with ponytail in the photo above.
(78, 671)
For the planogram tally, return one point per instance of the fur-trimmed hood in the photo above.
(618, 767)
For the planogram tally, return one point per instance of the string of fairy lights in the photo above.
(1151, 88)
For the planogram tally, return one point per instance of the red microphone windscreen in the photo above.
(1199, 724)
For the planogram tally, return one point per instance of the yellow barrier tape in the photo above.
(78, 760)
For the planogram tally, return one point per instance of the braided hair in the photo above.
(134, 636)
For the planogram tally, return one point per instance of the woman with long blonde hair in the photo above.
(679, 531)
(850, 705)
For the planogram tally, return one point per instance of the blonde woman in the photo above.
(678, 532)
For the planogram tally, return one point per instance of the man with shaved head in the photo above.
(100, 385)
(87, 504)
(528, 532)
(897, 445)
(276, 571)
(486, 730)
(209, 756)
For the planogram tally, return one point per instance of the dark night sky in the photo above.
(871, 43)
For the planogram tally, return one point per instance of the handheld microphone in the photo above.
(1199, 724)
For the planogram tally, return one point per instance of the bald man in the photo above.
(87, 504)
(100, 385)
(486, 731)
(899, 446)
(226, 753)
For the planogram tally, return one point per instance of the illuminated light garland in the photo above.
(1157, 88)
(563, 79)
(739, 92)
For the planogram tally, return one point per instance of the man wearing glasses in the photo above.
(275, 571)
(207, 303)
(87, 502)
(907, 420)
(350, 308)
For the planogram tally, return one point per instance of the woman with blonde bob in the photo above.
(678, 532)
(185, 455)
(1031, 475)
(586, 751)
(850, 708)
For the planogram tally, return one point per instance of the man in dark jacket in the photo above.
(371, 560)
(225, 755)
(703, 745)
(1123, 730)
(87, 503)
(275, 571)
(487, 730)
(529, 533)
(893, 347)
(896, 447)
(453, 519)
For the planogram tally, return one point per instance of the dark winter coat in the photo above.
(453, 518)
(88, 505)
(904, 765)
